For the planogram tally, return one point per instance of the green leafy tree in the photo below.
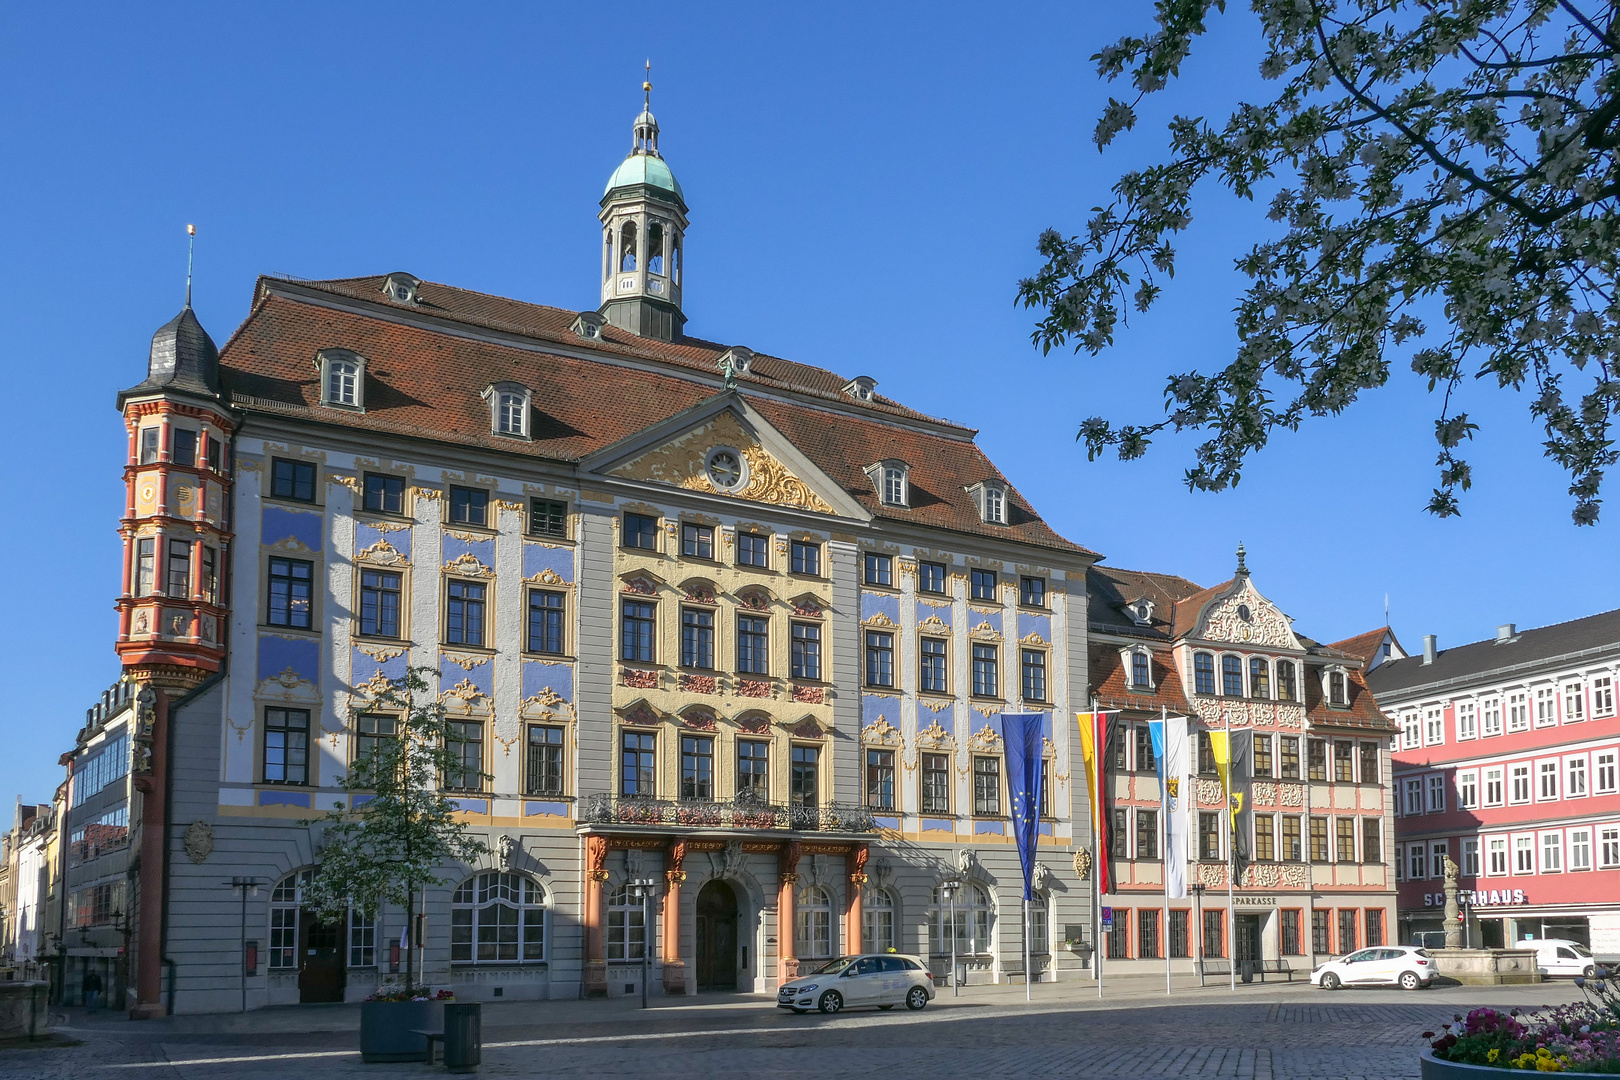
(1441, 175)
(390, 847)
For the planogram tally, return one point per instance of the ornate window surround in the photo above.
(498, 395)
(325, 362)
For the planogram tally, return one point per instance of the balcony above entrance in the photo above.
(740, 814)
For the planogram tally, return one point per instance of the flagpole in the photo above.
(1231, 858)
(1027, 972)
(1164, 843)
(1100, 771)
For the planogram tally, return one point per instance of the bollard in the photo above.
(463, 1037)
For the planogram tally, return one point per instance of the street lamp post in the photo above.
(643, 891)
(1197, 889)
(949, 887)
(246, 886)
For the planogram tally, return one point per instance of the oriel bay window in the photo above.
(290, 594)
(637, 773)
(178, 571)
(210, 575)
(879, 658)
(697, 638)
(752, 645)
(931, 666)
(986, 679)
(986, 787)
(145, 565)
(936, 783)
(286, 746)
(754, 770)
(379, 603)
(466, 746)
(636, 631)
(880, 779)
(544, 766)
(806, 651)
(805, 776)
(697, 768)
(546, 622)
(464, 613)
(150, 439)
(1034, 674)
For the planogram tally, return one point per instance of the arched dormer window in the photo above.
(1287, 685)
(509, 409)
(1232, 676)
(990, 499)
(1203, 673)
(861, 387)
(893, 481)
(343, 375)
(1259, 677)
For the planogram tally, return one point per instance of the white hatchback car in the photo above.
(883, 980)
(1383, 965)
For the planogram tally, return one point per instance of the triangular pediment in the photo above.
(1242, 616)
(763, 466)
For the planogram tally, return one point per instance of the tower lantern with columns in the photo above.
(644, 238)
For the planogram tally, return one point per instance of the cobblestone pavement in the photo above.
(1261, 1033)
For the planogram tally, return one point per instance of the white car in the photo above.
(1383, 965)
(883, 980)
(1560, 956)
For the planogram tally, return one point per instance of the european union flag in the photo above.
(1022, 735)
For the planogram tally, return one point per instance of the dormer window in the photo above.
(861, 387)
(342, 378)
(588, 325)
(735, 361)
(893, 482)
(1336, 689)
(509, 409)
(1141, 670)
(1140, 611)
(402, 288)
(990, 498)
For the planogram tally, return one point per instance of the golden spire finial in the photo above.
(646, 86)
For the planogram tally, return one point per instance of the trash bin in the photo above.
(463, 1036)
(1246, 971)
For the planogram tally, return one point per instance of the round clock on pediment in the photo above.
(726, 469)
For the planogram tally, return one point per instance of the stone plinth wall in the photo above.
(1486, 967)
(24, 1010)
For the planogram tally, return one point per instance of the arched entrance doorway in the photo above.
(716, 937)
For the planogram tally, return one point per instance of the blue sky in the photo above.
(866, 185)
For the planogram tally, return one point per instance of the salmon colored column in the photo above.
(852, 917)
(596, 876)
(787, 861)
(674, 966)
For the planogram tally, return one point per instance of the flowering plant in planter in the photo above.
(1580, 1037)
(419, 993)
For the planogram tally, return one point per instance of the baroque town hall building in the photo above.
(718, 619)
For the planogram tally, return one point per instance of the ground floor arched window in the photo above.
(974, 918)
(1040, 926)
(285, 901)
(877, 920)
(498, 918)
(626, 925)
(812, 932)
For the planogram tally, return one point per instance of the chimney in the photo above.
(1506, 633)
(1430, 647)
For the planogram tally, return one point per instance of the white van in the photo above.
(1560, 956)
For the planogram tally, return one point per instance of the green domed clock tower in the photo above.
(643, 238)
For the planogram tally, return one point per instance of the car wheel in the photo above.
(1330, 981)
(832, 1001)
(916, 998)
(1410, 980)
(1591, 970)
(887, 1007)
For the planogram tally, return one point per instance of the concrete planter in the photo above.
(1433, 1068)
(388, 1029)
(24, 1009)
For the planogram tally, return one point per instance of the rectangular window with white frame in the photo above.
(1438, 850)
(1437, 794)
(1552, 853)
(1491, 718)
(1580, 849)
(1604, 772)
(1575, 776)
(1468, 790)
(1609, 846)
(1546, 707)
(1414, 796)
(1603, 696)
(1493, 786)
(1470, 863)
(1467, 721)
(1434, 731)
(1547, 775)
(1497, 847)
(1520, 777)
(1574, 703)
(1518, 711)
(1416, 862)
(1524, 854)
(1409, 732)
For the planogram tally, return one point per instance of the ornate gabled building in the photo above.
(702, 615)
(1320, 882)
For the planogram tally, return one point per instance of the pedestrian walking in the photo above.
(92, 989)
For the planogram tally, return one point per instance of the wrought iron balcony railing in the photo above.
(731, 814)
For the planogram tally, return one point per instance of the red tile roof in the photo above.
(1110, 588)
(1111, 685)
(1362, 712)
(1363, 646)
(424, 380)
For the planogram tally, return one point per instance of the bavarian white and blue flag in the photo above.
(1170, 754)
(1021, 733)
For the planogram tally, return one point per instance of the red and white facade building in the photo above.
(1508, 760)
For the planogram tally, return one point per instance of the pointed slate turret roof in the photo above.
(183, 358)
